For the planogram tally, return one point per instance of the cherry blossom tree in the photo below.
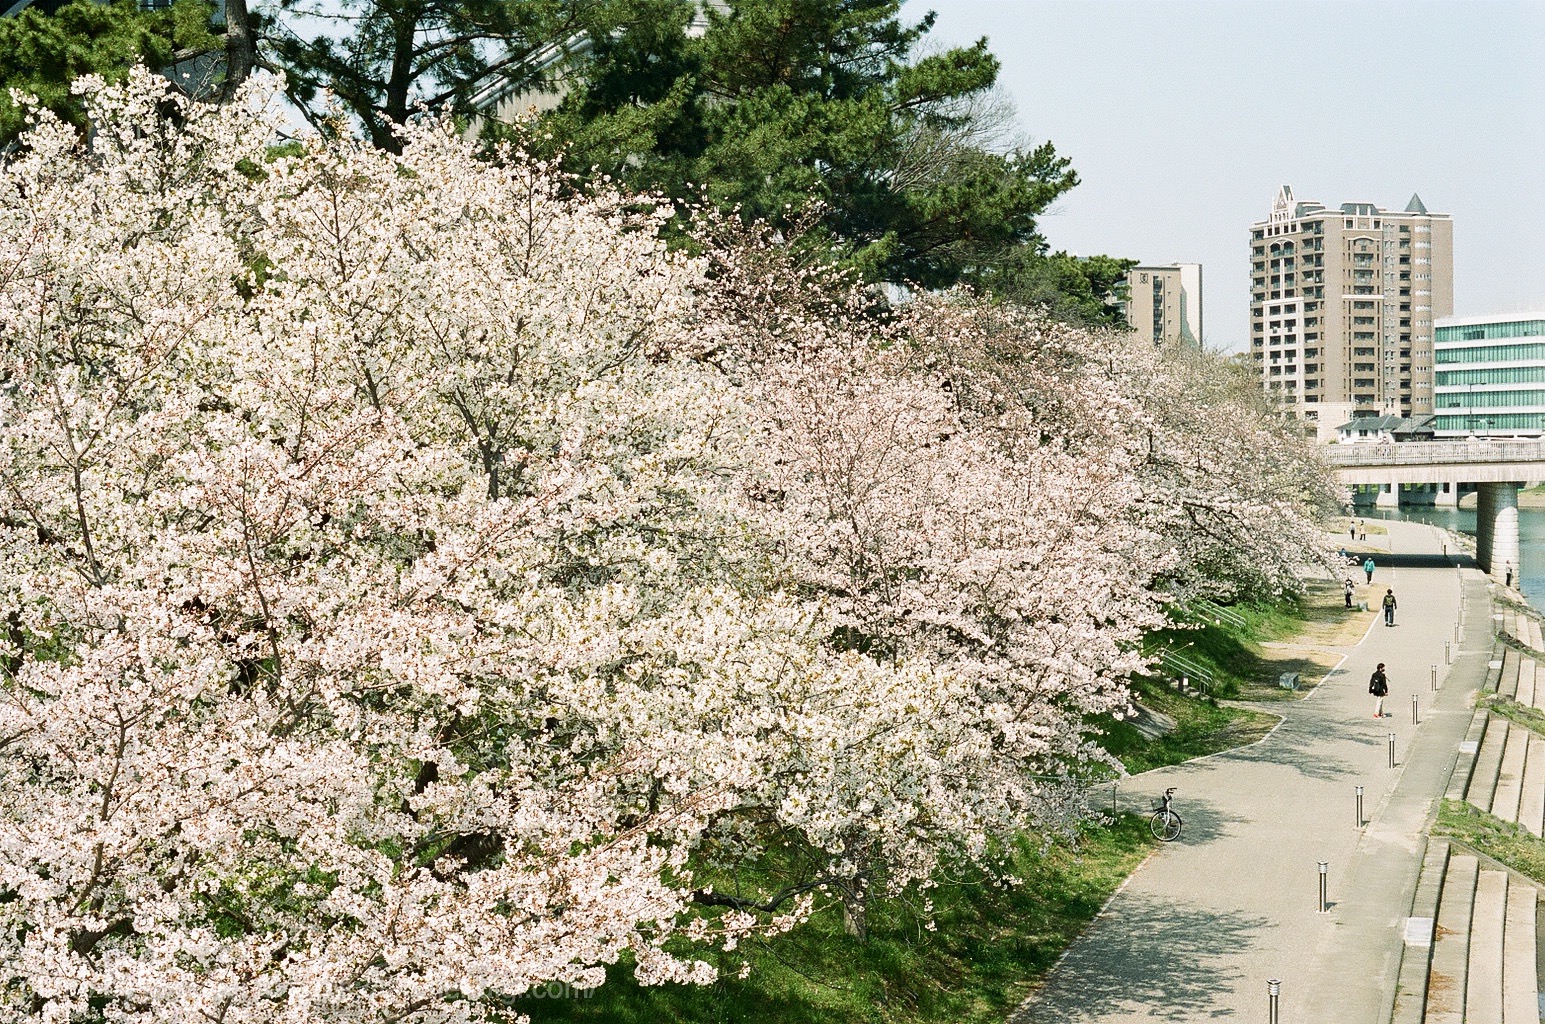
(369, 571)
(421, 585)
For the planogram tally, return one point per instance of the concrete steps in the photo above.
(1531, 805)
(1481, 965)
(1520, 955)
(1510, 777)
(1451, 943)
(1488, 764)
(1507, 682)
(1507, 777)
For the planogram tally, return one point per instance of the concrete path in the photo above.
(1199, 929)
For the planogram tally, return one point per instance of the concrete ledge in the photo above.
(1416, 958)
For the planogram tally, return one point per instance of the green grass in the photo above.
(987, 946)
(1233, 655)
(1503, 841)
(1529, 717)
(1239, 668)
(1201, 727)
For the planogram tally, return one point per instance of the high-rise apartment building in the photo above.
(1165, 303)
(1342, 303)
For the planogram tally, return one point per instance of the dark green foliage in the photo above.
(383, 58)
(776, 108)
(42, 54)
(1082, 290)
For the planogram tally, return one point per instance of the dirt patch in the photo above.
(1442, 993)
(1310, 663)
(1328, 621)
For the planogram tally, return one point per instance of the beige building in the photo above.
(1165, 303)
(1342, 304)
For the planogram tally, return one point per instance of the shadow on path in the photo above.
(1174, 963)
(1299, 745)
(1398, 560)
(1204, 820)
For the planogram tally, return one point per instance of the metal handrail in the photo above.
(1186, 667)
(1219, 614)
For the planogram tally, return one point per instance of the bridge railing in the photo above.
(1427, 453)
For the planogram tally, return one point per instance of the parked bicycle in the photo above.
(1165, 823)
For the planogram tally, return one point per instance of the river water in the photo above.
(1531, 539)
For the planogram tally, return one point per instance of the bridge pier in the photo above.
(1496, 527)
(1388, 496)
(1446, 496)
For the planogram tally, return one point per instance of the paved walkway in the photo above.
(1199, 929)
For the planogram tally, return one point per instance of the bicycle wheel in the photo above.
(1165, 825)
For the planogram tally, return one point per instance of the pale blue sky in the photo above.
(1183, 116)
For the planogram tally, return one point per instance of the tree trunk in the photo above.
(240, 49)
(855, 916)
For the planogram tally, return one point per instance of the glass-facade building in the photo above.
(1489, 376)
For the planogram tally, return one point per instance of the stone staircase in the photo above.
(1471, 944)
(1521, 626)
(1508, 778)
(1472, 940)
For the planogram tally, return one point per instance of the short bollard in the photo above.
(1416, 711)
(1359, 807)
(1113, 799)
(1273, 989)
(1392, 750)
(1434, 678)
(1324, 873)
(1448, 654)
(1456, 634)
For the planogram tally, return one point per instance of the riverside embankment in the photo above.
(1202, 926)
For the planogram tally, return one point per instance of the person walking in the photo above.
(1368, 567)
(1348, 587)
(1352, 530)
(1378, 685)
(1509, 582)
(1389, 607)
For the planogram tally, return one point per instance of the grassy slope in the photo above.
(1503, 841)
(1201, 727)
(975, 965)
(1245, 663)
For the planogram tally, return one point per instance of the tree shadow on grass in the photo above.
(1155, 960)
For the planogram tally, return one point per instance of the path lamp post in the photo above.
(1324, 875)
(1359, 791)
(1273, 989)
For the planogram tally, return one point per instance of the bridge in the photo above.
(1496, 468)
